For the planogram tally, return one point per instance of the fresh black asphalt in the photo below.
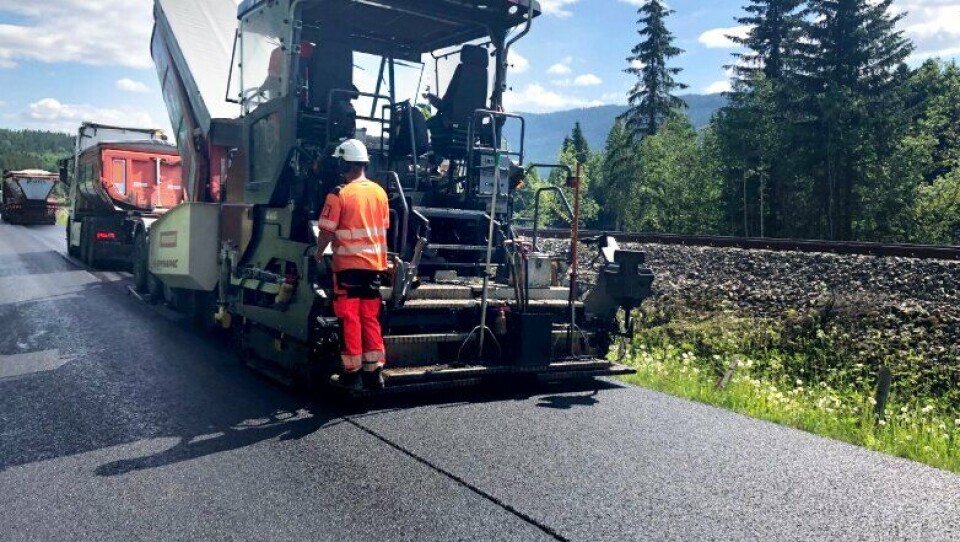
(117, 422)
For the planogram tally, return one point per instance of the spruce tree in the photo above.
(580, 144)
(652, 99)
(775, 27)
(762, 90)
(619, 177)
(849, 66)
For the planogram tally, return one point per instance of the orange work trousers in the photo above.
(357, 305)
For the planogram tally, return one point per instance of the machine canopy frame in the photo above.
(408, 29)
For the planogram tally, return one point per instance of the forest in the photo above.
(33, 149)
(828, 133)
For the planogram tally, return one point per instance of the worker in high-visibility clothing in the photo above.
(355, 218)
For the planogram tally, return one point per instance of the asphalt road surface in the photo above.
(117, 422)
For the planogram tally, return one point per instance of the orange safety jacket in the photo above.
(359, 216)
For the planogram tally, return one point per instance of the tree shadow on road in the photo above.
(314, 416)
(134, 378)
(548, 395)
(129, 384)
(567, 402)
(281, 426)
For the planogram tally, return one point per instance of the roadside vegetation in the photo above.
(802, 374)
(62, 216)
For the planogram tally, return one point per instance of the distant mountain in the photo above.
(545, 131)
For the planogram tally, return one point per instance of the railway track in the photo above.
(930, 252)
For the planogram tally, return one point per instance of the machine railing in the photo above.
(541, 191)
(354, 94)
(395, 186)
(473, 134)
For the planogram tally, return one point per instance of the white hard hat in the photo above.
(352, 150)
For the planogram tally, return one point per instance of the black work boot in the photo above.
(373, 380)
(349, 381)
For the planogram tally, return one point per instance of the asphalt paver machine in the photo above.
(466, 298)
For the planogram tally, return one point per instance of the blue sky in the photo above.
(65, 61)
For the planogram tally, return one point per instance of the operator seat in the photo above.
(330, 69)
(467, 93)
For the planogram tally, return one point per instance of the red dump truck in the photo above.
(26, 197)
(120, 181)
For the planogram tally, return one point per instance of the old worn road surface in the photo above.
(119, 423)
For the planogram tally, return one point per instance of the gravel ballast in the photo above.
(901, 312)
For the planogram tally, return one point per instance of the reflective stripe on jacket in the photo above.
(359, 216)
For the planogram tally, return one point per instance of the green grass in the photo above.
(923, 430)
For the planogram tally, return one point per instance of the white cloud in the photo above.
(933, 25)
(535, 98)
(717, 37)
(518, 63)
(52, 114)
(587, 80)
(562, 67)
(949, 52)
(130, 85)
(105, 32)
(717, 87)
(615, 97)
(557, 7)
(932, 19)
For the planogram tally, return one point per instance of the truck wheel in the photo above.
(86, 245)
(154, 288)
(71, 250)
(203, 306)
(139, 263)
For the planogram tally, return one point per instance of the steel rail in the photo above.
(929, 252)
